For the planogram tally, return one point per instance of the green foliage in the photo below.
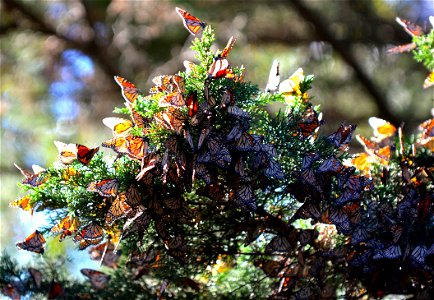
(424, 51)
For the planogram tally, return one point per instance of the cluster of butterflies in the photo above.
(55, 290)
(382, 237)
(413, 30)
(97, 279)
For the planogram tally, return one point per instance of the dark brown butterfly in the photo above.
(55, 290)
(119, 209)
(34, 243)
(192, 23)
(97, 279)
(36, 276)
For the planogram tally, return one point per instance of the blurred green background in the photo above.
(58, 59)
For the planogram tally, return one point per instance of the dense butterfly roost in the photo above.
(206, 179)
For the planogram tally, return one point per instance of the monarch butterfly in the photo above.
(273, 78)
(98, 279)
(139, 120)
(418, 254)
(55, 290)
(67, 226)
(136, 146)
(427, 134)
(189, 66)
(278, 244)
(148, 163)
(291, 86)
(344, 174)
(245, 197)
(90, 232)
(374, 150)
(247, 142)
(363, 162)
(308, 160)
(340, 219)
(36, 276)
(106, 187)
(308, 211)
(119, 209)
(34, 243)
(23, 203)
(191, 23)
(308, 176)
(331, 164)
(11, 291)
(168, 83)
(171, 119)
(238, 112)
(342, 136)
(85, 154)
(119, 126)
(359, 260)
(427, 128)
(348, 195)
(201, 171)
(174, 99)
(410, 27)
(358, 183)
(220, 66)
(173, 203)
(382, 129)
(273, 169)
(311, 123)
(133, 197)
(35, 179)
(129, 90)
(137, 224)
(396, 231)
(83, 244)
(307, 236)
(105, 253)
(192, 104)
(67, 152)
(392, 252)
(429, 80)
(359, 235)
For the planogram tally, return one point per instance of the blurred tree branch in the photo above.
(90, 47)
(324, 34)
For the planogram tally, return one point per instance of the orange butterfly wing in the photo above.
(34, 243)
(129, 91)
(85, 154)
(192, 23)
(106, 187)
